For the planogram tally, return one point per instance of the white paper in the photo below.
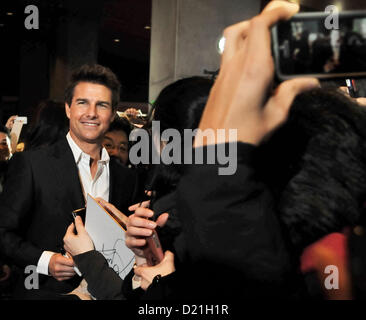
(15, 133)
(24, 120)
(108, 237)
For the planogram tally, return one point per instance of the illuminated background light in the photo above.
(221, 45)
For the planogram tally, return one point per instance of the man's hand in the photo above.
(360, 101)
(61, 268)
(77, 243)
(139, 228)
(9, 124)
(132, 112)
(147, 274)
(241, 97)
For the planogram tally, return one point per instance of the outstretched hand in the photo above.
(241, 97)
(10, 123)
(77, 243)
(139, 227)
(147, 274)
(360, 101)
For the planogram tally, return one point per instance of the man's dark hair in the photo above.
(95, 74)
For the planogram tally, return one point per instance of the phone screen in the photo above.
(305, 45)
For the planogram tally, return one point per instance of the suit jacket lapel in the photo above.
(66, 174)
(113, 184)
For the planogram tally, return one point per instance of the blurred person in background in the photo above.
(5, 153)
(116, 140)
(49, 125)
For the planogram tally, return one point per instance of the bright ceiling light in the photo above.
(221, 45)
(339, 6)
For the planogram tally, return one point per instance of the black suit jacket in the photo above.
(42, 189)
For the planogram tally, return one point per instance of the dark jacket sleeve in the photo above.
(103, 282)
(16, 204)
(232, 235)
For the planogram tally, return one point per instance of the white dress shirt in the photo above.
(97, 187)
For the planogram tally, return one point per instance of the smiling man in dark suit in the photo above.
(44, 186)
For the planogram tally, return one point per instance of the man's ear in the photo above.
(67, 110)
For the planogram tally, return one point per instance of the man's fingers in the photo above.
(344, 90)
(65, 262)
(141, 223)
(139, 232)
(62, 269)
(66, 274)
(237, 33)
(139, 270)
(169, 256)
(70, 230)
(361, 101)
(288, 90)
(289, 9)
(144, 204)
(254, 57)
(163, 218)
(143, 212)
(259, 52)
(63, 278)
(79, 225)
(135, 242)
(277, 108)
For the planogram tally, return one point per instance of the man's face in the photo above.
(4, 147)
(90, 112)
(116, 143)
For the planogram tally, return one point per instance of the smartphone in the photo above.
(153, 251)
(307, 45)
(79, 212)
(352, 88)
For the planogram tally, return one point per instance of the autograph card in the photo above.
(16, 130)
(108, 237)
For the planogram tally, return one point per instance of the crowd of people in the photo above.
(293, 208)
